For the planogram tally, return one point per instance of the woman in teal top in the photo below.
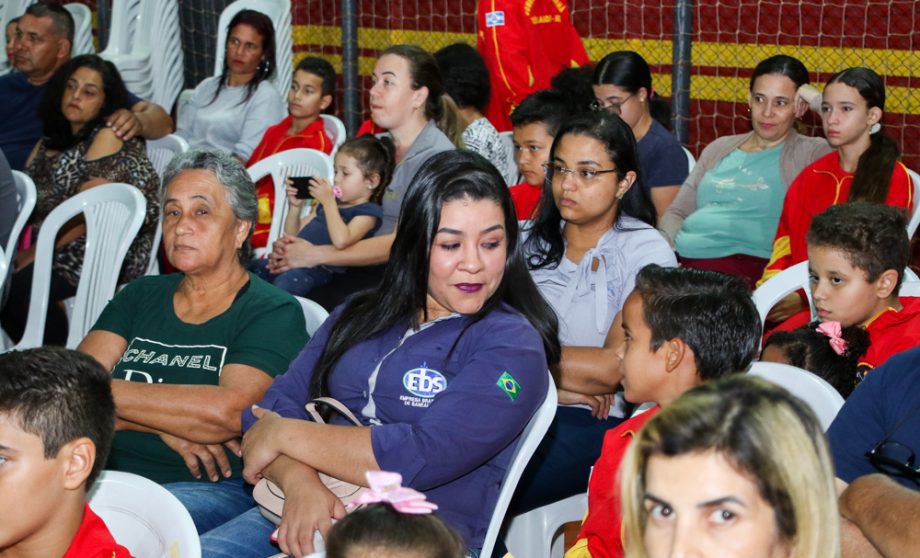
(725, 216)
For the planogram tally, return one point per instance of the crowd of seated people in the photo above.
(451, 295)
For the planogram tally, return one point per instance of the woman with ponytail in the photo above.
(864, 166)
(623, 86)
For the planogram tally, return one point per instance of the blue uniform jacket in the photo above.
(448, 422)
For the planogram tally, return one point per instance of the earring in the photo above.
(875, 128)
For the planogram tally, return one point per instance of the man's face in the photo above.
(39, 48)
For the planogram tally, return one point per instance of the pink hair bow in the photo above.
(833, 331)
(386, 487)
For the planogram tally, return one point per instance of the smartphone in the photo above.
(302, 183)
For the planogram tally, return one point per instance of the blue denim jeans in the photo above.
(298, 282)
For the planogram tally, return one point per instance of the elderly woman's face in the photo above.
(698, 504)
(83, 97)
(200, 231)
(468, 256)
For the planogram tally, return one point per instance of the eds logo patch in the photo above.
(424, 382)
(509, 385)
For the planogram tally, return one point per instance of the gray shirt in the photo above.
(430, 141)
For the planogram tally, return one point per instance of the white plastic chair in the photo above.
(915, 217)
(122, 27)
(538, 533)
(114, 214)
(279, 11)
(144, 517)
(26, 196)
(823, 399)
(527, 444)
(511, 172)
(313, 313)
(280, 166)
(775, 288)
(335, 129)
(83, 29)
(910, 288)
(691, 160)
(161, 152)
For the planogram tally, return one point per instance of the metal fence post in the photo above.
(680, 70)
(351, 111)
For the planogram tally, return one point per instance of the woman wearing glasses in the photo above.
(584, 252)
(623, 86)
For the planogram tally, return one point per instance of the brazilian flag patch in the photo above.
(509, 385)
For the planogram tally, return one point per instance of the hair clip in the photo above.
(833, 331)
(386, 488)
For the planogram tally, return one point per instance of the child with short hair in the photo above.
(826, 349)
(57, 419)
(311, 94)
(857, 253)
(682, 327)
(344, 213)
(535, 121)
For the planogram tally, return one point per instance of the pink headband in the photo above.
(833, 331)
(386, 487)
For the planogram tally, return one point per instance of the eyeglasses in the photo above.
(613, 107)
(582, 176)
(894, 458)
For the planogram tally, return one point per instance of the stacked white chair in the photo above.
(335, 129)
(279, 11)
(280, 166)
(161, 152)
(83, 29)
(113, 214)
(26, 196)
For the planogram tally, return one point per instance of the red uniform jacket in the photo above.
(891, 332)
(93, 540)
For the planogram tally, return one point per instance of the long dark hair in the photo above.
(545, 246)
(876, 164)
(263, 26)
(628, 70)
(401, 296)
(56, 127)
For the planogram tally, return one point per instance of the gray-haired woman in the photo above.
(191, 350)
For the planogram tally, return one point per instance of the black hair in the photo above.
(547, 106)
(546, 246)
(264, 27)
(711, 312)
(400, 297)
(575, 84)
(808, 348)
(876, 165)
(374, 156)
(59, 395)
(379, 529)
(56, 128)
(322, 69)
(61, 19)
(629, 71)
(781, 64)
(873, 236)
(466, 78)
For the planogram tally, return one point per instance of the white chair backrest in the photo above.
(3, 269)
(161, 152)
(823, 399)
(691, 160)
(113, 214)
(83, 29)
(26, 196)
(915, 216)
(336, 131)
(527, 443)
(279, 11)
(909, 288)
(774, 289)
(144, 517)
(313, 313)
(511, 172)
(123, 26)
(167, 62)
(280, 166)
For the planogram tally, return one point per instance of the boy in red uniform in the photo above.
(524, 44)
(57, 418)
(311, 93)
(536, 121)
(857, 253)
(682, 327)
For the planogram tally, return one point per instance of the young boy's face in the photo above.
(531, 144)
(31, 487)
(841, 292)
(305, 97)
(643, 369)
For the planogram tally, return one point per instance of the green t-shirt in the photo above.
(263, 328)
(738, 204)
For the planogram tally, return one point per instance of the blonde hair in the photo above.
(768, 435)
(450, 122)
